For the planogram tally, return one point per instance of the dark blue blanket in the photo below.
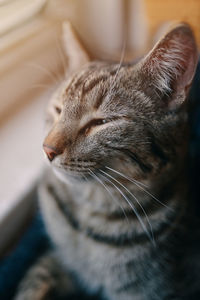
(31, 245)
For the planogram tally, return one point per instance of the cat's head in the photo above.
(129, 117)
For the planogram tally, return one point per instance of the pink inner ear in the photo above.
(172, 62)
(186, 78)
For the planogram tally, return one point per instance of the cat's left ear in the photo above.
(169, 68)
(76, 54)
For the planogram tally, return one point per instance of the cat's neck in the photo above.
(128, 209)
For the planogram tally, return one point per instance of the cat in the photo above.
(115, 197)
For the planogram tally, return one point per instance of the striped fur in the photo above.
(115, 198)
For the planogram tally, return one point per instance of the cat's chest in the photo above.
(97, 263)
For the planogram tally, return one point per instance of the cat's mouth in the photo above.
(77, 169)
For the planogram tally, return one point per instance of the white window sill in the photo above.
(31, 55)
(21, 162)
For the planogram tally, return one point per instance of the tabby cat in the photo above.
(115, 197)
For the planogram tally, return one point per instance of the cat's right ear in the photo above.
(76, 54)
(168, 70)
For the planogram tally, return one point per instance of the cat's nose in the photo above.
(50, 152)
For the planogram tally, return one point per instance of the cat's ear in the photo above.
(170, 66)
(76, 54)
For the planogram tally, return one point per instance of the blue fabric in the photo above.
(195, 140)
(32, 244)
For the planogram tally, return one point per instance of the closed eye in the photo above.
(57, 109)
(97, 122)
(93, 123)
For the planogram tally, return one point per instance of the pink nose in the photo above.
(51, 153)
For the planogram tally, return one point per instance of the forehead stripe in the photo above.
(90, 84)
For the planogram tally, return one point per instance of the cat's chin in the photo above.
(68, 178)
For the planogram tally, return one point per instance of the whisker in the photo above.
(133, 208)
(147, 218)
(61, 54)
(84, 176)
(140, 185)
(44, 86)
(112, 85)
(108, 190)
(128, 178)
(51, 75)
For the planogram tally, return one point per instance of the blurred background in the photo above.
(32, 63)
